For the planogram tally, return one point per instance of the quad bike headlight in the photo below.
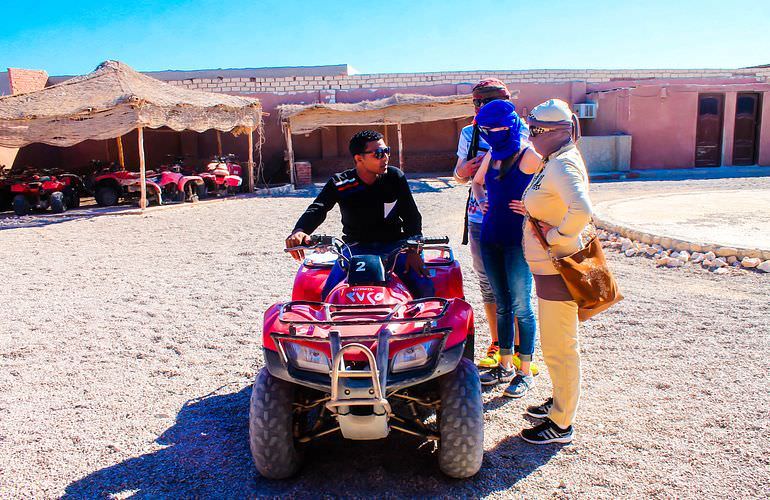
(414, 356)
(307, 358)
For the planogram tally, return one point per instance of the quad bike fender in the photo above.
(52, 186)
(196, 180)
(459, 317)
(233, 180)
(20, 188)
(109, 182)
(309, 282)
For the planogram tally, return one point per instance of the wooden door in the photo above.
(708, 135)
(747, 109)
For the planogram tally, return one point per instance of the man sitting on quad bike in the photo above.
(354, 351)
(378, 213)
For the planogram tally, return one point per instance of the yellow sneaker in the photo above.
(517, 363)
(492, 360)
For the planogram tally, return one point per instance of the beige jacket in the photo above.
(557, 195)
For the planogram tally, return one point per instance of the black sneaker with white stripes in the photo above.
(546, 433)
(540, 411)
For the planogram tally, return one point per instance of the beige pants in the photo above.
(559, 342)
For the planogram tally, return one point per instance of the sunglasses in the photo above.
(487, 130)
(379, 153)
(535, 131)
(480, 102)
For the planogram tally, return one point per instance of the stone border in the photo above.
(679, 245)
(677, 256)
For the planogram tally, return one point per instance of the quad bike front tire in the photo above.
(57, 202)
(71, 197)
(271, 436)
(461, 421)
(106, 196)
(21, 205)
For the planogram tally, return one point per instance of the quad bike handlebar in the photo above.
(338, 246)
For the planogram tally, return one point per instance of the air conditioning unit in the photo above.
(586, 110)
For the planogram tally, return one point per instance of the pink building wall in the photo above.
(662, 122)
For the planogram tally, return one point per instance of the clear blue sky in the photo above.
(72, 37)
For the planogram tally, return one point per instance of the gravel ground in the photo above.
(128, 345)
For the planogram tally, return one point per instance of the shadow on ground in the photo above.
(424, 184)
(207, 455)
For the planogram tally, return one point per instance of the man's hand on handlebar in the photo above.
(414, 262)
(298, 238)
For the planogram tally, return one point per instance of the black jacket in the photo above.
(381, 212)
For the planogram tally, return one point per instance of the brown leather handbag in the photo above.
(585, 273)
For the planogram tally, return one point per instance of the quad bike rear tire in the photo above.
(203, 191)
(271, 436)
(106, 196)
(21, 205)
(461, 422)
(57, 202)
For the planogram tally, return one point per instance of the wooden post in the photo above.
(219, 143)
(142, 173)
(400, 147)
(250, 168)
(290, 151)
(385, 134)
(121, 159)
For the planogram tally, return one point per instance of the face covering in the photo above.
(548, 143)
(504, 143)
(559, 135)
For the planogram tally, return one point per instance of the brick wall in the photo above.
(26, 80)
(292, 84)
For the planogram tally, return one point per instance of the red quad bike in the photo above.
(368, 360)
(43, 191)
(113, 185)
(222, 176)
(5, 189)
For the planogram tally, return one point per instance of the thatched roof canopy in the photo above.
(113, 100)
(398, 108)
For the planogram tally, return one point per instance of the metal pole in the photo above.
(400, 147)
(142, 175)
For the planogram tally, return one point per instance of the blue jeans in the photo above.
(511, 282)
(474, 243)
(419, 286)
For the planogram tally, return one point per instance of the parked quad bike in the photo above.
(367, 360)
(5, 188)
(167, 184)
(222, 177)
(39, 192)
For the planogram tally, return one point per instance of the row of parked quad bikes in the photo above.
(109, 185)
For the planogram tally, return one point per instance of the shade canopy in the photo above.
(113, 100)
(393, 110)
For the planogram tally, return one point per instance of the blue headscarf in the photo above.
(500, 113)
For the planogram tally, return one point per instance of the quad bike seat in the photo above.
(366, 270)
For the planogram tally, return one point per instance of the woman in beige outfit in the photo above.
(557, 196)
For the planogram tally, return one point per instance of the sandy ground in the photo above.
(732, 212)
(128, 345)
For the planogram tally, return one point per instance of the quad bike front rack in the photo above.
(325, 314)
(345, 395)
